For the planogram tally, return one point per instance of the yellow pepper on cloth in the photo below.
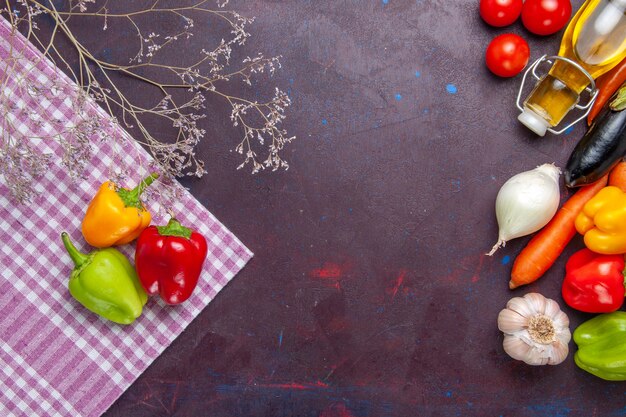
(603, 222)
(116, 216)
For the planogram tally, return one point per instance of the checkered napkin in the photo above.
(57, 358)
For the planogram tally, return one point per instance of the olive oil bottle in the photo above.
(593, 43)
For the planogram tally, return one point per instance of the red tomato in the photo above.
(507, 55)
(500, 12)
(545, 17)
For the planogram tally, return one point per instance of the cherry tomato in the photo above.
(545, 17)
(507, 55)
(500, 12)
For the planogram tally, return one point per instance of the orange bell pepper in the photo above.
(116, 215)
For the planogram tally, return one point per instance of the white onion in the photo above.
(526, 203)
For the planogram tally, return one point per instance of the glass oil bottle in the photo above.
(593, 43)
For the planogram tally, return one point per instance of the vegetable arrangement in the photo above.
(507, 54)
(168, 258)
(594, 278)
(545, 247)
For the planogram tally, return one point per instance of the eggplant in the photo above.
(599, 150)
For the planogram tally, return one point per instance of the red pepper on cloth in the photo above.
(169, 260)
(594, 283)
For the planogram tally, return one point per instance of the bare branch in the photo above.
(260, 122)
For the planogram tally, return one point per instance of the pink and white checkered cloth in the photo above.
(57, 358)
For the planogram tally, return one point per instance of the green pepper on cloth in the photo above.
(106, 283)
(602, 346)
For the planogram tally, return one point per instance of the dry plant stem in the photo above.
(260, 121)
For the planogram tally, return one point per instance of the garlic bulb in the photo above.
(535, 329)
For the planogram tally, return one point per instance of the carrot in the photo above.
(545, 247)
(607, 84)
(617, 176)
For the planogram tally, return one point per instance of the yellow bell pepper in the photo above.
(116, 215)
(603, 222)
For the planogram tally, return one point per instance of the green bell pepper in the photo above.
(602, 346)
(106, 283)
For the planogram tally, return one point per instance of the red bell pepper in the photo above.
(169, 260)
(594, 283)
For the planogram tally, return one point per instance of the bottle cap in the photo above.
(534, 122)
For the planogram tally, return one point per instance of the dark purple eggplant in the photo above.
(599, 150)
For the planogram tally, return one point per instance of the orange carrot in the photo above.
(545, 247)
(617, 176)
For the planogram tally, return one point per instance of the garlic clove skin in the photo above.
(519, 306)
(558, 354)
(516, 347)
(537, 303)
(510, 321)
(535, 329)
(564, 336)
(551, 308)
(538, 357)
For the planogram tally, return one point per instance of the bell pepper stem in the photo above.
(145, 183)
(78, 257)
(131, 197)
(174, 228)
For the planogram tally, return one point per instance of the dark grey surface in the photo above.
(369, 293)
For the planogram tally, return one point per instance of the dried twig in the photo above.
(183, 90)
